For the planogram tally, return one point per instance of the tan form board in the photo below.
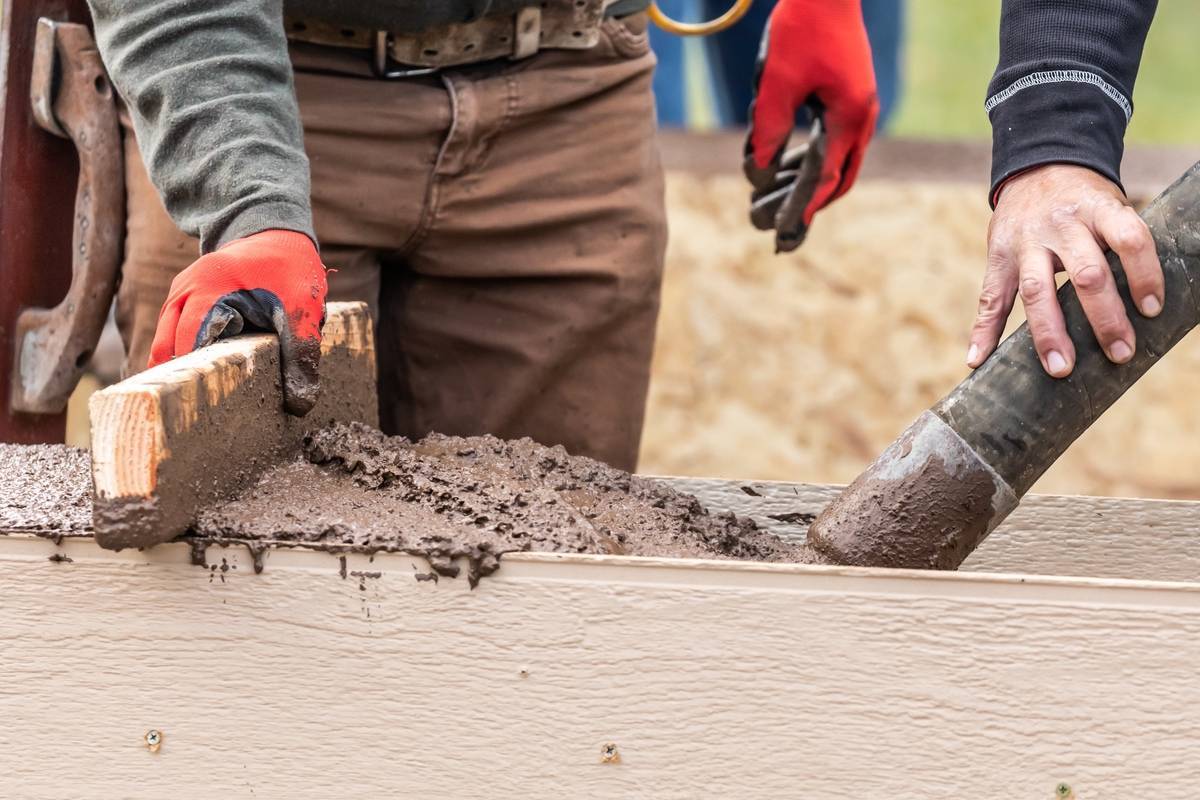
(182, 434)
(708, 679)
(1100, 537)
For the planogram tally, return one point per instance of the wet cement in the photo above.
(444, 498)
(45, 489)
(476, 498)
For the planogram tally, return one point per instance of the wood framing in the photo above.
(172, 438)
(584, 676)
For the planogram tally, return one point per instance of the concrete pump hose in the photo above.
(959, 470)
(736, 12)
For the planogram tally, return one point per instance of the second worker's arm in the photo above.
(1059, 104)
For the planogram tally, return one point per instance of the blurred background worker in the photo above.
(484, 174)
(703, 83)
(1059, 103)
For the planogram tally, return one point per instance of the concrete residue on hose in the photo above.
(926, 503)
(476, 498)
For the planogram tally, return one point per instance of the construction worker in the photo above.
(1059, 104)
(483, 173)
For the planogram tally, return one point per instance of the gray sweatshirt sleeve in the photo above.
(209, 87)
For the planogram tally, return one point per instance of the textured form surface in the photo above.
(711, 679)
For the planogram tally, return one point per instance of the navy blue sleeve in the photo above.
(1062, 91)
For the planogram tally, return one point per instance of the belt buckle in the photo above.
(380, 55)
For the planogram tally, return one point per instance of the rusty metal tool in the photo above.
(35, 226)
(72, 98)
(963, 466)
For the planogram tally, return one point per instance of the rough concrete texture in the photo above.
(353, 488)
(45, 489)
(476, 498)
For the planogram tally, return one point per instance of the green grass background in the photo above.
(951, 50)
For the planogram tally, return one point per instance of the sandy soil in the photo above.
(803, 367)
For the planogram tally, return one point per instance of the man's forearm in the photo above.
(209, 88)
(1063, 89)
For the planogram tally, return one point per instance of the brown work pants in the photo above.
(505, 222)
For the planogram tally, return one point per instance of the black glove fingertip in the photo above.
(788, 240)
(220, 322)
(301, 373)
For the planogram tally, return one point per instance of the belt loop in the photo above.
(379, 54)
(528, 32)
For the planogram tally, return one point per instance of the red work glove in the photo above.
(815, 53)
(271, 281)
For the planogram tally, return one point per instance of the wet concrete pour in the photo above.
(444, 498)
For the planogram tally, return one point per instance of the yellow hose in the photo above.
(736, 12)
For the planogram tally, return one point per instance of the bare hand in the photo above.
(1063, 217)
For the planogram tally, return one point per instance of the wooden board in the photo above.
(173, 438)
(1098, 537)
(708, 679)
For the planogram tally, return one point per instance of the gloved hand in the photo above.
(271, 281)
(815, 53)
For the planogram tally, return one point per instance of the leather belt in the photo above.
(555, 25)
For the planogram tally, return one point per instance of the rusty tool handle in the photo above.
(72, 97)
(962, 467)
(1019, 419)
